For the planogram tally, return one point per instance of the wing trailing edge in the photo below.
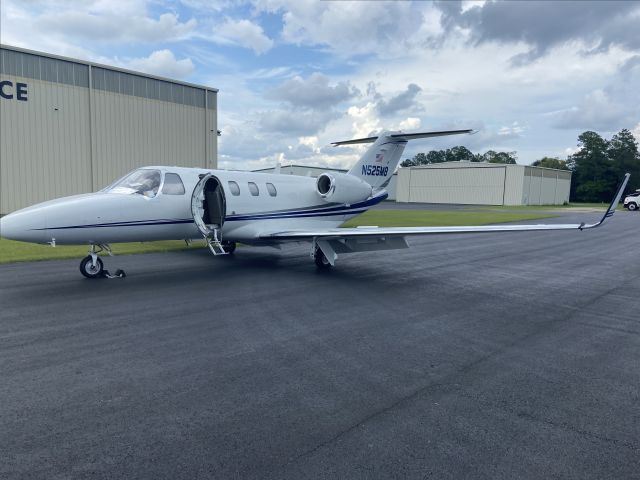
(378, 232)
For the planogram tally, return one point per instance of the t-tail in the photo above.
(380, 161)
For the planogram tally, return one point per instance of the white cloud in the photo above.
(571, 150)
(313, 92)
(295, 122)
(513, 130)
(636, 132)
(402, 101)
(164, 63)
(408, 124)
(598, 110)
(112, 22)
(76, 29)
(243, 33)
(349, 28)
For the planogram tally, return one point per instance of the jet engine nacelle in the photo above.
(342, 188)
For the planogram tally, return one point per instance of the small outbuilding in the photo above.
(476, 183)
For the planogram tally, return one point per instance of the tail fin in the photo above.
(379, 162)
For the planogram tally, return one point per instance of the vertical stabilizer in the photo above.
(378, 164)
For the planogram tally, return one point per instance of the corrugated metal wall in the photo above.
(543, 186)
(483, 185)
(468, 185)
(83, 126)
(45, 146)
(513, 185)
(146, 132)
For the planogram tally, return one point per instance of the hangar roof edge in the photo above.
(105, 66)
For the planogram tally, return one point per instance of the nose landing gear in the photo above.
(91, 266)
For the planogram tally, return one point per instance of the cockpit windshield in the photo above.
(144, 182)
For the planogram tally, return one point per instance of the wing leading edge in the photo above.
(377, 232)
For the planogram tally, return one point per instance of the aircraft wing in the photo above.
(380, 232)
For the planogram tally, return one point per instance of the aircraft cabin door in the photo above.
(208, 208)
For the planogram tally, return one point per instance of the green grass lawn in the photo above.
(12, 251)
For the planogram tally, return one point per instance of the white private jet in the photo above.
(225, 207)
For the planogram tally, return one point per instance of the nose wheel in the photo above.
(91, 266)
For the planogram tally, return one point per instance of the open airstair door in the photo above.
(208, 207)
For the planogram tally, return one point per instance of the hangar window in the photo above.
(234, 188)
(144, 182)
(172, 184)
(253, 188)
(272, 189)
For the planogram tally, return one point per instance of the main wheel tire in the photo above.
(229, 247)
(632, 206)
(89, 270)
(322, 262)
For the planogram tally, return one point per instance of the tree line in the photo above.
(597, 166)
(459, 154)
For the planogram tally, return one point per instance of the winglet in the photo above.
(613, 205)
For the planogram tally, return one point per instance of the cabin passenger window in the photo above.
(253, 188)
(234, 188)
(172, 184)
(272, 189)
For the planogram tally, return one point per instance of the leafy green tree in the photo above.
(436, 156)
(492, 156)
(551, 162)
(407, 162)
(459, 154)
(623, 152)
(594, 172)
(418, 159)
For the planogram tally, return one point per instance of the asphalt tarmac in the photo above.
(480, 356)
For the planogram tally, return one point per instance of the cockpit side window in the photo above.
(143, 182)
(172, 184)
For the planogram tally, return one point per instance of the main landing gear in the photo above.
(91, 266)
(322, 262)
(229, 247)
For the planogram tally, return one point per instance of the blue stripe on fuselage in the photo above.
(355, 208)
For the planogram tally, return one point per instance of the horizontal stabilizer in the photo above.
(404, 136)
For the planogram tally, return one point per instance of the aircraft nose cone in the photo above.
(8, 227)
(23, 225)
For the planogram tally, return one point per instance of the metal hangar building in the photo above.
(69, 126)
(475, 183)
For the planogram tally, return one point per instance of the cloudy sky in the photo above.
(295, 75)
